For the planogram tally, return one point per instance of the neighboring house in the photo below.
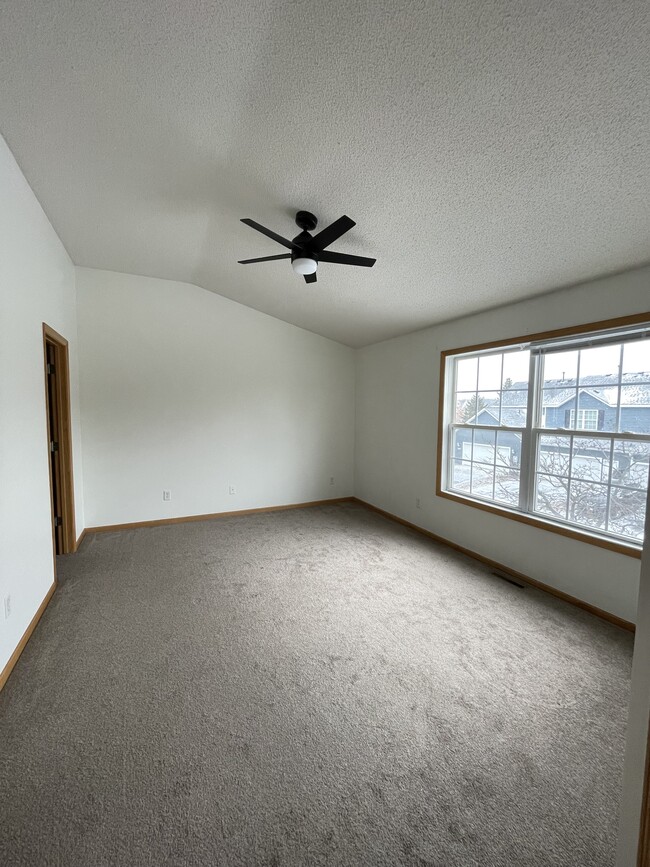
(595, 409)
(597, 403)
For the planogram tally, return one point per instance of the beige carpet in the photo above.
(315, 687)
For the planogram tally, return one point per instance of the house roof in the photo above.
(510, 417)
(635, 393)
(560, 391)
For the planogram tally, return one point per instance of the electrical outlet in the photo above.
(7, 607)
(232, 489)
(418, 504)
(331, 480)
(167, 495)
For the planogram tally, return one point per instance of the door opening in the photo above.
(59, 440)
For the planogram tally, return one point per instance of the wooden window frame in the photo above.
(629, 550)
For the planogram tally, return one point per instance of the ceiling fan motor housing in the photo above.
(302, 243)
(306, 221)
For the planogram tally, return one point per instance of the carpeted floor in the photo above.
(313, 687)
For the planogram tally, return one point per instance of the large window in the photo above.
(555, 431)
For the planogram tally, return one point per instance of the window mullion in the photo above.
(449, 417)
(500, 397)
(577, 397)
(471, 464)
(609, 482)
(619, 390)
(570, 472)
(527, 465)
(446, 481)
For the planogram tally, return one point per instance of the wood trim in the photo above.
(494, 564)
(80, 539)
(13, 659)
(616, 547)
(620, 322)
(65, 448)
(643, 852)
(441, 420)
(568, 331)
(161, 522)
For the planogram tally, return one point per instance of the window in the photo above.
(587, 419)
(554, 430)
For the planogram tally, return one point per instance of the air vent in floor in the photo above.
(509, 580)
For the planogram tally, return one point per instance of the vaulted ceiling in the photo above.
(489, 150)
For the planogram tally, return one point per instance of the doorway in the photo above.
(59, 440)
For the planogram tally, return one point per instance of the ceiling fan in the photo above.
(308, 250)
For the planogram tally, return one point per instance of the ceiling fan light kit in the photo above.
(308, 250)
(304, 265)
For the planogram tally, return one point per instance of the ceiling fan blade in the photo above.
(264, 259)
(310, 278)
(345, 259)
(331, 233)
(269, 233)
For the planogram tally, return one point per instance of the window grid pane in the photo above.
(551, 496)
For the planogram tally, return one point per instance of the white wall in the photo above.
(37, 284)
(396, 441)
(188, 391)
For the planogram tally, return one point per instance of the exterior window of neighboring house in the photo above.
(553, 430)
(587, 419)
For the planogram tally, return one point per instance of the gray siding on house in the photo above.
(559, 416)
(484, 437)
(633, 418)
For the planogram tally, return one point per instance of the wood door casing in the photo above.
(53, 431)
(59, 430)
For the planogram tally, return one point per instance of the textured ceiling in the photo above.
(488, 151)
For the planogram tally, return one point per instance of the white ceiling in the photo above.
(488, 150)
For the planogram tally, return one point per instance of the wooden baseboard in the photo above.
(13, 659)
(160, 522)
(80, 539)
(592, 609)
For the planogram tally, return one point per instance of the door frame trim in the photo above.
(69, 534)
(643, 852)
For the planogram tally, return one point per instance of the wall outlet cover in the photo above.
(7, 607)
(231, 489)
(167, 495)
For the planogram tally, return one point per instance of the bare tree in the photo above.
(594, 487)
(584, 491)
